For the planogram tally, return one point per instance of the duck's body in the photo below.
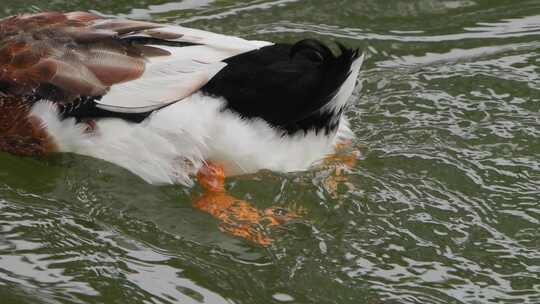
(162, 100)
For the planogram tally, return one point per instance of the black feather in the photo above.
(144, 40)
(286, 85)
(312, 47)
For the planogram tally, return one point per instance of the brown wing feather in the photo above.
(76, 53)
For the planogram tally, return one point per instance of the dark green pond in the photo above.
(442, 206)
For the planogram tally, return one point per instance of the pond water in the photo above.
(441, 206)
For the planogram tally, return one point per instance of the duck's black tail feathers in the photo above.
(292, 87)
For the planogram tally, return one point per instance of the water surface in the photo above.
(442, 205)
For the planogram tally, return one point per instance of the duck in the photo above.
(167, 102)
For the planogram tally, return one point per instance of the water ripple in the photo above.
(440, 207)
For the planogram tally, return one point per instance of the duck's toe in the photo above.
(211, 176)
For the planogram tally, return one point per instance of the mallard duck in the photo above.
(164, 100)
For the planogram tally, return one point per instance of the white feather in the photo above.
(67, 133)
(226, 45)
(171, 145)
(161, 84)
(346, 89)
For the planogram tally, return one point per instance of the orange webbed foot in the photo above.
(238, 217)
(342, 160)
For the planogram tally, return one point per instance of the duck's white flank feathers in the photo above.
(66, 133)
(171, 145)
(157, 150)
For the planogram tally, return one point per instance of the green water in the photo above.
(441, 207)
